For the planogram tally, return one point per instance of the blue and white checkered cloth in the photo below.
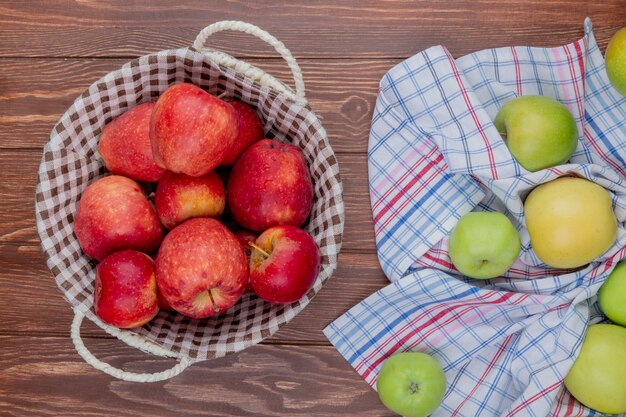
(505, 344)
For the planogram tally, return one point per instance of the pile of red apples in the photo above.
(225, 218)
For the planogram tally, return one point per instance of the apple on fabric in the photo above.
(411, 384)
(598, 377)
(125, 293)
(284, 264)
(570, 221)
(201, 268)
(125, 145)
(615, 60)
(612, 295)
(270, 185)
(250, 131)
(191, 131)
(539, 131)
(483, 245)
(114, 214)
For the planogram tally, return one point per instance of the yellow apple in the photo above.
(570, 221)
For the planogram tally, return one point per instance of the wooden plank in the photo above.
(18, 179)
(44, 376)
(317, 28)
(29, 297)
(341, 92)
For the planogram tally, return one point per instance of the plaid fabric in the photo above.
(505, 344)
(71, 162)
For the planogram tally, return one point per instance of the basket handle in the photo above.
(250, 70)
(132, 340)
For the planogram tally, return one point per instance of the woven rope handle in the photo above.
(132, 340)
(249, 70)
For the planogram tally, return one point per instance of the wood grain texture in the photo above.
(30, 297)
(18, 179)
(43, 376)
(318, 28)
(341, 92)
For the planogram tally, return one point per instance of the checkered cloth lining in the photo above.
(71, 161)
(505, 344)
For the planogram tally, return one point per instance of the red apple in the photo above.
(284, 264)
(246, 237)
(163, 304)
(125, 145)
(201, 268)
(125, 293)
(180, 197)
(270, 185)
(250, 131)
(114, 214)
(191, 131)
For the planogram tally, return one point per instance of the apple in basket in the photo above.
(483, 244)
(125, 145)
(114, 214)
(411, 384)
(539, 131)
(597, 378)
(284, 264)
(570, 221)
(179, 197)
(250, 131)
(191, 130)
(125, 293)
(270, 185)
(246, 237)
(201, 268)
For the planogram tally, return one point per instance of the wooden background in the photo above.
(50, 51)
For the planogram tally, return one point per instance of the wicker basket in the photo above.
(71, 162)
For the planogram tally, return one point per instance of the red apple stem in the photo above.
(255, 246)
(222, 95)
(215, 307)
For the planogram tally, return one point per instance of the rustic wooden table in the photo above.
(50, 51)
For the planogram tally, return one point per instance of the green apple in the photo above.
(411, 384)
(539, 131)
(483, 244)
(598, 377)
(615, 60)
(612, 295)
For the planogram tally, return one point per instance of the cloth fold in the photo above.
(507, 343)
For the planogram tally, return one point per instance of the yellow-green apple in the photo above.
(125, 145)
(270, 185)
(411, 384)
(570, 221)
(598, 377)
(114, 214)
(612, 295)
(539, 131)
(201, 268)
(284, 264)
(180, 197)
(125, 293)
(250, 131)
(483, 244)
(191, 130)
(615, 60)
(246, 237)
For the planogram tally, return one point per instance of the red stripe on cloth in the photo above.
(518, 76)
(581, 64)
(559, 404)
(433, 320)
(454, 304)
(603, 155)
(534, 398)
(572, 72)
(402, 193)
(485, 373)
(404, 176)
(492, 164)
